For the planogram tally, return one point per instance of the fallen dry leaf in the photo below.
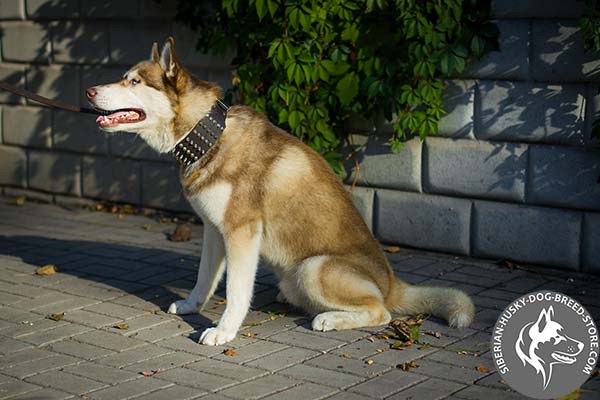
(596, 373)
(371, 339)
(462, 353)
(482, 368)
(147, 227)
(152, 372)
(346, 355)
(405, 366)
(369, 362)
(392, 249)
(19, 201)
(272, 318)
(436, 334)
(48, 269)
(380, 350)
(121, 326)
(182, 233)
(229, 353)
(507, 264)
(251, 324)
(221, 302)
(56, 317)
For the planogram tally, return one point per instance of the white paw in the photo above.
(324, 323)
(216, 336)
(181, 307)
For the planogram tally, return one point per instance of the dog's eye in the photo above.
(134, 81)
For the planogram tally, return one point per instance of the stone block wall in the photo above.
(512, 174)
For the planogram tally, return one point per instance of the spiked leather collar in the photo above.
(196, 143)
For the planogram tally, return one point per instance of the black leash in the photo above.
(44, 100)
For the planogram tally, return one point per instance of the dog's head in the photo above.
(544, 343)
(157, 99)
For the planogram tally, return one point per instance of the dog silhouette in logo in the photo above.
(543, 343)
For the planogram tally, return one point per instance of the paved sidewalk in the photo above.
(124, 272)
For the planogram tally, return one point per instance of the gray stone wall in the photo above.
(512, 174)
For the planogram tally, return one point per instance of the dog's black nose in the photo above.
(91, 93)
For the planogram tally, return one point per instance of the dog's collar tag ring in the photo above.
(196, 143)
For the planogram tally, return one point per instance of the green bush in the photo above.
(310, 64)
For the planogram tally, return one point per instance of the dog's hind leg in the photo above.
(210, 271)
(341, 293)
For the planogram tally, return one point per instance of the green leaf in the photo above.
(261, 8)
(294, 119)
(347, 88)
(273, 6)
(335, 68)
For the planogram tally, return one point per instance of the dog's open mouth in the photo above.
(117, 117)
(563, 358)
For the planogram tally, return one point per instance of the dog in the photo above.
(262, 193)
(543, 344)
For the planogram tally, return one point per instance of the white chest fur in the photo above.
(210, 203)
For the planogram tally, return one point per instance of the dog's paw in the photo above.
(216, 336)
(181, 307)
(324, 322)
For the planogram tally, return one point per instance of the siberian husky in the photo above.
(262, 193)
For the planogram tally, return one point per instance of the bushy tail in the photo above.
(451, 304)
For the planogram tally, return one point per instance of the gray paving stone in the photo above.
(165, 361)
(12, 359)
(108, 340)
(33, 367)
(305, 340)
(101, 373)
(387, 384)
(469, 361)
(321, 376)
(66, 382)
(304, 391)
(196, 379)
(407, 218)
(347, 365)
(89, 318)
(349, 396)
(177, 392)
(163, 331)
(476, 392)
(553, 183)
(115, 310)
(459, 96)
(283, 358)
(228, 370)
(532, 234)
(460, 374)
(54, 335)
(131, 356)
(252, 351)
(468, 168)
(429, 390)
(79, 350)
(16, 387)
(260, 387)
(45, 394)
(125, 390)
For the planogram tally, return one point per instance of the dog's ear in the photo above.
(155, 56)
(544, 318)
(169, 60)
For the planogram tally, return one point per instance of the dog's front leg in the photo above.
(210, 271)
(242, 251)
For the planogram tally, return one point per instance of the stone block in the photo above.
(529, 234)
(530, 112)
(472, 168)
(12, 9)
(379, 166)
(591, 243)
(109, 9)
(52, 9)
(564, 177)
(14, 75)
(131, 42)
(558, 54)
(537, 9)
(423, 221)
(111, 179)
(158, 10)
(54, 172)
(13, 166)
(132, 146)
(459, 96)
(25, 42)
(186, 42)
(161, 187)
(59, 83)
(77, 132)
(363, 199)
(27, 126)
(511, 61)
(77, 42)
